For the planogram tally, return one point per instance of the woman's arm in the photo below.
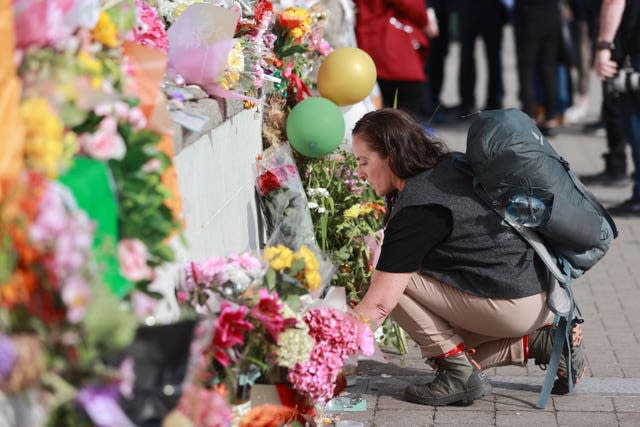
(382, 297)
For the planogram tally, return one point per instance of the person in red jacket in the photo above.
(394, 34)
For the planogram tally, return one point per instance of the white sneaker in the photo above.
(576, 113)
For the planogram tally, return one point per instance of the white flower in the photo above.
(313, 205)
(321, 192)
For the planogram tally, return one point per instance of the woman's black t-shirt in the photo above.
(410, 235)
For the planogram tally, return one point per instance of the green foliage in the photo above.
(141, 194)
(333, 185)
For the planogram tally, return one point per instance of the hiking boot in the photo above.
(540, 347)
(457, 381)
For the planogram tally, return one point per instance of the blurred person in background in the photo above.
(615, 159)
(618, 51)
(484, 18)
(395, 34)
(433, 109)
(537, 29)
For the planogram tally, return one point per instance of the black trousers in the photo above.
(408, 94)
(616, 157)
(438, 51)
(481, 18)
(537, 29)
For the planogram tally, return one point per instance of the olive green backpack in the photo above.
(508, 156)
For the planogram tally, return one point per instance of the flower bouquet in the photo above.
(283, 200)
(348, 221)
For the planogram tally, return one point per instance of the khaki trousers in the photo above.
(439, 317)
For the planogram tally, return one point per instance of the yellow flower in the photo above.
(235, 65)
(279, 257)
(92, 66)
(310, 260)
(43, 136)
(105, 31)
(313, 279)
(88, 63)
(357, 210)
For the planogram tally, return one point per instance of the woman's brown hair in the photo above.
(396, 135)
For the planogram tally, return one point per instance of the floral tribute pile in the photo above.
(89, 203)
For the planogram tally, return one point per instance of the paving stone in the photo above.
(484, 418)
(583, 403)
(626, 404)
(599, 419)
(629, 420)
(407, 417)
(525, 419)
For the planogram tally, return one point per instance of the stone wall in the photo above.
(216, 178)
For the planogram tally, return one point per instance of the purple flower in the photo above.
(8, 356)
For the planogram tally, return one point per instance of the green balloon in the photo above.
(315, 127)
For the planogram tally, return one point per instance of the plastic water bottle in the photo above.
(528, 211)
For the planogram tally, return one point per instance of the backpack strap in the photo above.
(564, 325)
(589, 196)
(530, 236)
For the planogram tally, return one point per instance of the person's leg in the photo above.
(469, 28)
(443, 320)
(491, 29)
(440, 318)
(400, 94)
(527, 46)
(438, 51)
(630, 121)
(548, 62)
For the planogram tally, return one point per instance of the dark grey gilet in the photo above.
(483, 255)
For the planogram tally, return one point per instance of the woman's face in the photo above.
(373, 168)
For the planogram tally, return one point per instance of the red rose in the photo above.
(262, 7)
(267, 182)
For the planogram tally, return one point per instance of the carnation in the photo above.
(149, 30)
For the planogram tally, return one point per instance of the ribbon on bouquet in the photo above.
(296, 81)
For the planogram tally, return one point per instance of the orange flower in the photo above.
(268, 416)
(296, 20)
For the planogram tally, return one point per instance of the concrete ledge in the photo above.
(217, 110)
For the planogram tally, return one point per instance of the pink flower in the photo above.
(137, 118)
(127, 377)
(152, 166)
(105, 143)
(365, 338)
(76, 296)
(269, 40)
(317, 377)
(149, 30)
(246, 261)
(230, 327)
(212, 268)
(132, 254)
(143, 304)
(267, 312)
(205, 408)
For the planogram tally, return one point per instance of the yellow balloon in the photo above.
(346, 76)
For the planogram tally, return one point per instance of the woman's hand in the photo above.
(382, 297)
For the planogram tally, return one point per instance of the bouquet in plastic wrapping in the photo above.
(283, 200)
